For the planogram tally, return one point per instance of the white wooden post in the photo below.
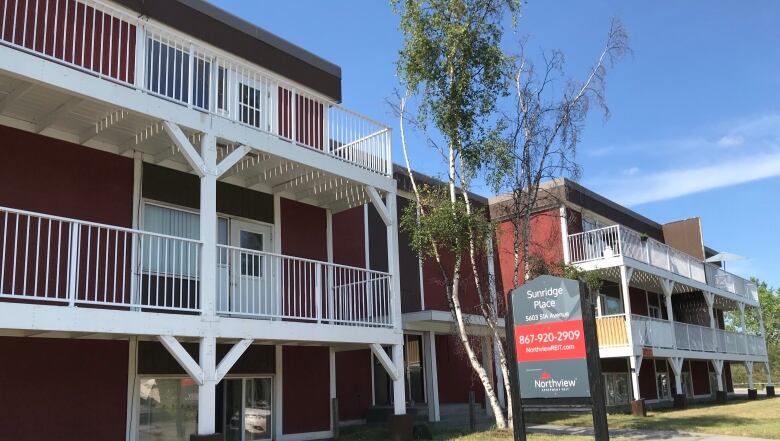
(208, 284)
(749, 369)
(718, 365)
(635, 362)
(668, 288)
(625, 279)
(431, 376)
(564, 235)
(399, 389)
(73, 262)
(677, 364)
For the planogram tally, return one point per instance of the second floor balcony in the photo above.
(616, 241)
(649, 332)
(111, 44)
(51, 260)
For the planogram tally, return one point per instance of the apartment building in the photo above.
(662, 310)
(183, 211)
(197, 237)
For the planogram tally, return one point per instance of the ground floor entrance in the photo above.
(168, 408)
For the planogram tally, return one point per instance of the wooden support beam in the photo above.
(232, 159)
(15, 94)
(185, 147)
(232, 357)
(379, 205)
(182, 357)
(384, 360)
(62, 110)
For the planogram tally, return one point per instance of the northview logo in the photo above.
(547, 382)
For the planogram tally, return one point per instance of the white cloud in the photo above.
(680, 182)
(731, 141)
(692, 163)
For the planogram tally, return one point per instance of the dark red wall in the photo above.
(58, 389)
(546, 242)
(700, 376)
(303, 230)
(305, 389)
(647, 388)
(456, 377)
(349, 240)
(46, 175)
(638, 299)
(353, 384)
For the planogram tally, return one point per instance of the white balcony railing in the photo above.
(56, 260)
(663, 334)
(651, 332)
(272, 286)
(60, 261)
(108, 43)
(617, 240)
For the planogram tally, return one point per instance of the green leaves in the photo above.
(444, 223)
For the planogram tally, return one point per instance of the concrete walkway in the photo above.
(669, 435)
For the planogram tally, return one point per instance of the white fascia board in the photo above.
(442, 322)
(33, 317)
(69, 80)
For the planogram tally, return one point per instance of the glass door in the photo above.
(415, 380)
(248, 409)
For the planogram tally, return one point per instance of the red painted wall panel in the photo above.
(67, 180)
(638, 299)
(57, 389)
(303, 230)
(546, 242)
(305, 389)
(349, 240)
(456, 378)
(647, 388)
(353, 384)
(700, 376)
(72, 32)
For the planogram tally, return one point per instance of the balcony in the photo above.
(663, 334)
(52, 260)
(619, 241)
(112, 45)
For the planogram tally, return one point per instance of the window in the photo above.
(168, 409)
(167, 255)
(616, 388)
(687, 384)
(609, 305)
(589, 224)
(654, 311)
(249, 99)
(167, 70)
(662, 386)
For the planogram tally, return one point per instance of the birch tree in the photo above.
(543, 133)
(453, 65)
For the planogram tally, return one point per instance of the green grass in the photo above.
(759, 418)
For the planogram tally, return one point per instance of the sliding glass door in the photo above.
(248, 409)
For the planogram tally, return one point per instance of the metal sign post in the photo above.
(551, 335)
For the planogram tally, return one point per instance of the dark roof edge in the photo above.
(261, 34)
(399, 169)
(627, 211)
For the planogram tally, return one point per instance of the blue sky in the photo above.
(695, 125)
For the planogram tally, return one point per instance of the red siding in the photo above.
(353, 384)
(456, 377)
(305, 389)
(700, 376)
(309, 118)
(303, 230)
(58, 389)
(74, 33)
(638, 299)
(349, 240)
(68, 179)
(647, 388)
(546, 242)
